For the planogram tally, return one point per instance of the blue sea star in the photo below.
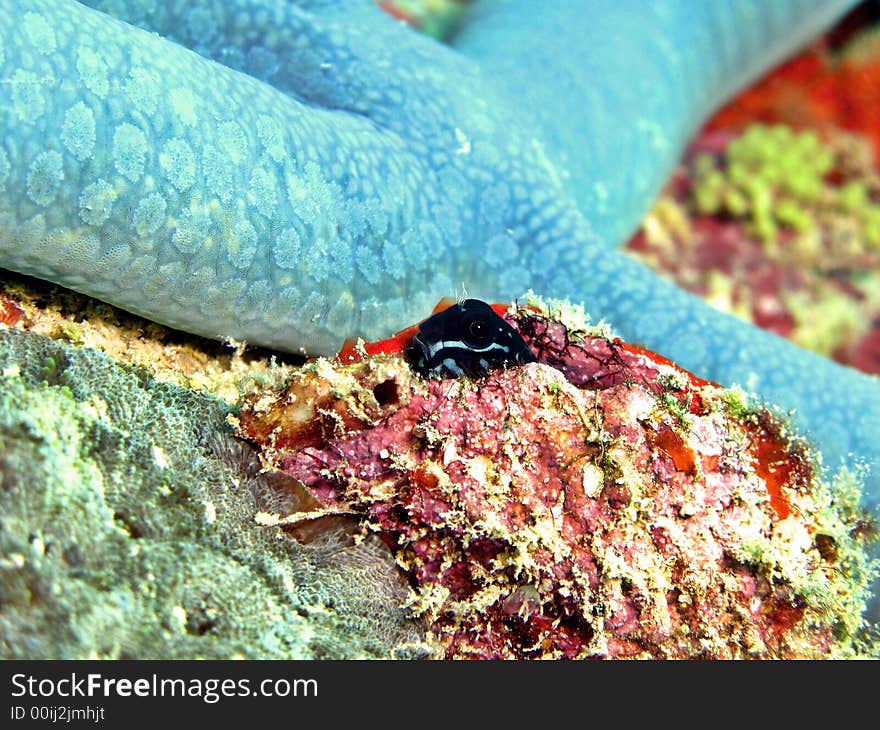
(292, 173)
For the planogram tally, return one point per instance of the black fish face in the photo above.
(468, 338)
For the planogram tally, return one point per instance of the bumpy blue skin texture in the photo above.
(293, 173)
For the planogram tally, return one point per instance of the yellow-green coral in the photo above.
(781, 229)
(775, 177)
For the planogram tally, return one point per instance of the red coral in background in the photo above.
(834, 84)
(826, 301)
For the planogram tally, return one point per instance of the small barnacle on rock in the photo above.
(600, 502)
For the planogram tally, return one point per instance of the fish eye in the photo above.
(478, 331)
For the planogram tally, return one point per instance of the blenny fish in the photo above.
(468, 338)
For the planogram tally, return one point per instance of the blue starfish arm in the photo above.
(141, 173)
(144, 174)
(375, 172)
(625, 85)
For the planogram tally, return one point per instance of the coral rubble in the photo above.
(169, 356)
(601, 502)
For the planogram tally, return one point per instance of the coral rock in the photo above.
(599, 503)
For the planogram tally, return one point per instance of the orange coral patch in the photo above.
(777, 464)
(674, 446)
(10, 312)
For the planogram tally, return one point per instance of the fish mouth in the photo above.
(418, 353)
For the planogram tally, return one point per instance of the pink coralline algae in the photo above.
(600, 503)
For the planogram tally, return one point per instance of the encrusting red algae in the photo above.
(599, 503)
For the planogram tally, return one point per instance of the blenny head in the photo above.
(468, 338)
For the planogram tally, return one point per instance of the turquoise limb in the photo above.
(186, 191)
(617, 88)
(291, 174)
